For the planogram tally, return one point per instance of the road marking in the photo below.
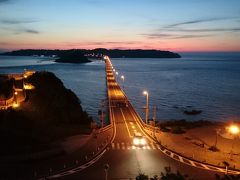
(180, 158)
(125, 123)
(153, 147)
(113, 146)
(192, 163)
(205, 166)
(128, 146)
(118, 146)
(123, 146)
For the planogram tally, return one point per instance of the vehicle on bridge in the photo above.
(139, 140)
(122, 104)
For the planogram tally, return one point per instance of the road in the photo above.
(125, 160)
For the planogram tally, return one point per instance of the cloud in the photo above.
(198, 21)
(31, 31)
(3, 1)
(16, 21)
(175, 36)
(208, 30)
(101, 43)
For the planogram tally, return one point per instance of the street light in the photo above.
(122, 77)
(234, 130)
(147, 105)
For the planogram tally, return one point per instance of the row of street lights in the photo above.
(144, 93)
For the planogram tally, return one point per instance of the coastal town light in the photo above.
(15, 92)
(15, 105)
(147, 105)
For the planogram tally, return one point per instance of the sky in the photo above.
(175, 25)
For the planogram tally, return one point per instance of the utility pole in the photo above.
(154, 118)
(100, 113)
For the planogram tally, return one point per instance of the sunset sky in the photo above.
(176, 25)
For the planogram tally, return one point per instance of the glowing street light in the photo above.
(234, 130)
(15, 104)
(122, 77)
(116, 73)
(147, 105)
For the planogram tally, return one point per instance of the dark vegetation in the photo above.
(6, 87)
(133, 53)
(179, 126)
(72, 57)
(51, 112)
(169, 175)
(112, 53)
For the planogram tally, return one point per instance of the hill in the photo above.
(49, 113)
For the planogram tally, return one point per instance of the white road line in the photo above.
(181, 159)
(205, 166)
(118, 146)
(153, 147)
(192, 163)
(128, 146)
(113, 146)
(123, 146)
(125, 123)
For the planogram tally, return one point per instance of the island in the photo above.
(82, 55)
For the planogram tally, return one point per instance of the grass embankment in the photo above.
(51, 112)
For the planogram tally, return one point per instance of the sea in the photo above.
(208, 82)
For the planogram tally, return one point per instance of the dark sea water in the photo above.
(203, 81)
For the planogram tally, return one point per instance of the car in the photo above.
(139, 140)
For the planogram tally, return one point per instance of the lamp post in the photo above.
(147, 105)
(234, 130)
(15, 104)
(116, 75)
(122, 77)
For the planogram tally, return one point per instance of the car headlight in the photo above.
(143, 141)
(136, 141)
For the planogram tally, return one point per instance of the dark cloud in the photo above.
(191, 36)
(188, 22)
(198, 21)
(3, 1)
(100, 43)
(175, 36)
(207, 30)
(31, 31)
(16, 21)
